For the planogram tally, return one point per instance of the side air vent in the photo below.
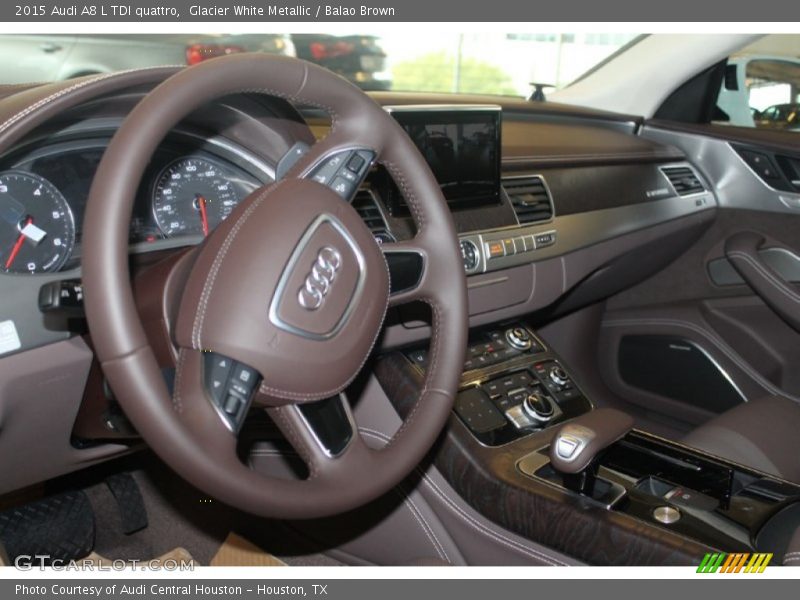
(683, 180)
(367, 208)
(530, 199)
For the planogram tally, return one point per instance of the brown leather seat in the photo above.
(762, 434)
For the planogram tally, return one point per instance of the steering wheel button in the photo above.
(244, 374)
(217, 369)
(343, 187)
(356, 163)
(233, 405)
(349, 175)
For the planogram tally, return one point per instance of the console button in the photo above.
(495, 249)
(517, 396)
(530, 242)
(666, 515)
(482, 361)
(523, 379)
(568, 394)
(493, 388)
(502, 402)
(508, 383)
(508, 245)
(508, 352)
(477, 411)
(542, 240)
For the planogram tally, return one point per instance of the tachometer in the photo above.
(37, 229)
(192, 196)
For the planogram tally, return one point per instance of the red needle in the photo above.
(17, 246)
(201, 203)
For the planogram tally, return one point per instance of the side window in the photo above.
(761, 86)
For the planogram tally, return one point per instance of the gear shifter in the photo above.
(578, 443)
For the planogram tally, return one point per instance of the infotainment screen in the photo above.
(462, 147)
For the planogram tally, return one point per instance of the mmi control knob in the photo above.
(538, 406)
(519, 338)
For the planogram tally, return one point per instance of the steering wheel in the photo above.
(281, 304)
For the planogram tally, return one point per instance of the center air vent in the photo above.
(367, 208)
(530, 199)
(684, 180)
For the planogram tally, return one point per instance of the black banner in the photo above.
(702, 586)
(397, 11)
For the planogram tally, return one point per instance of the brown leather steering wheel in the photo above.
(291, 288)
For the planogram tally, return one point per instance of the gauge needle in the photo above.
(201, 204)
(17, 245)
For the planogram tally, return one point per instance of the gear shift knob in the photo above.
(577, 443)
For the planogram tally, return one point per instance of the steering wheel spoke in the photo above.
(407, 265)
(324, 434)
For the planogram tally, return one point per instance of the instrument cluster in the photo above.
(187, 191)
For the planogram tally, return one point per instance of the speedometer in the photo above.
(192, 196)
(37, 230)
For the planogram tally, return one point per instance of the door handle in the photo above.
(50, 47)
(741, 249)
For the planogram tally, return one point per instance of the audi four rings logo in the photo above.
(319, 281)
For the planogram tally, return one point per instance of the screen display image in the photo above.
(462, 148)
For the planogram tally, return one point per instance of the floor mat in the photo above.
(238, 552)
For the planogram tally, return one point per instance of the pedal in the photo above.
(129, 501)
(59, 528)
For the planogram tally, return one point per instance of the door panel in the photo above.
(710, 318)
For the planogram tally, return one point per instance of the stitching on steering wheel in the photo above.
(295, 438)
(397, 174)
(177, 402)
(425, 390)
(55, 96)
(208, 286)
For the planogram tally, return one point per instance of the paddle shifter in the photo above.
(579, 442)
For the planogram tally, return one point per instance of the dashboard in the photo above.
(189, 188)
(555, 207)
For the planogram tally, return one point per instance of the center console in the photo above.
(512, 385)
(527, 449)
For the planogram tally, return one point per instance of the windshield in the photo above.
(506, 64)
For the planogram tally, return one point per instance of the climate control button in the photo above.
(559, 376)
